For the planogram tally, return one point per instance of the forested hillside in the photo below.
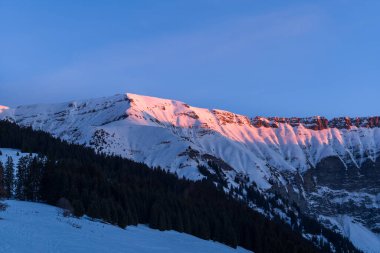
(125, 193)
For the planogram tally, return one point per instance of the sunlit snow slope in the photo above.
(159, 132)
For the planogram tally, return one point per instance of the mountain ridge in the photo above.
(303, 159)
(283, 143)
(257, 121)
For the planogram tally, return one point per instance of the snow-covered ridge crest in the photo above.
(174, 113)
(165, 110)
(6, 112)
(3, 108)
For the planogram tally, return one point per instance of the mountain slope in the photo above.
(156, 131)
(124, 192)
(328, 168)
(34, 227)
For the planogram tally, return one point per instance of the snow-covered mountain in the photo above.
(34, 227)
(330, 168)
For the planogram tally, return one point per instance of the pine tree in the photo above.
(2, 189)
(9, 177)
(22, 177)
(78, 208)
(158, 219)
(121, 218)
(33, 179)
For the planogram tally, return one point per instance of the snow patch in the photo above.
(16, 154)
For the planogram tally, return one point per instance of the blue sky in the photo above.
(270, 58)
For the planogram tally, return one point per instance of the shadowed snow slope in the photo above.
(32, 227)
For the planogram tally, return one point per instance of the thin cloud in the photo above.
(117, 66)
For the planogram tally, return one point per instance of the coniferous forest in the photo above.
(123, 192)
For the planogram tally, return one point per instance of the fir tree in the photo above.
(9, 177)
(22, 177)
(2, 181)
(32, 179)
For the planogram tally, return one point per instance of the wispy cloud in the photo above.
(125, 64)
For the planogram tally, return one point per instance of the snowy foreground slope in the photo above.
(33, 227)
(330, 168)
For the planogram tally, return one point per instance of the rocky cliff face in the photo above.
(330, 168)
(339, 190)
(318, 123)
